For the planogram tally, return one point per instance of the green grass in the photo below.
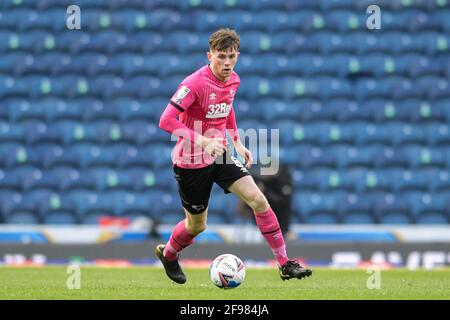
(152, 283)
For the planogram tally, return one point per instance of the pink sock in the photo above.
(270, 229)
(179, 239)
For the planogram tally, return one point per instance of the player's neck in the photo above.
(224, 80)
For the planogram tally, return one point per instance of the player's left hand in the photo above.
(247, 155)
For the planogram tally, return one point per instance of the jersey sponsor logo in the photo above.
(218, 110)
(181, 94)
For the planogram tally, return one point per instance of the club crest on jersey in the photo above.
(181, 94)
(232, 92)
(218, 110)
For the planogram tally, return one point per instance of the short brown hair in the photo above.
(223, 39)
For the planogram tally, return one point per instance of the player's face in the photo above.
(223, 62)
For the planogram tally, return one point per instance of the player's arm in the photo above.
(234, 135)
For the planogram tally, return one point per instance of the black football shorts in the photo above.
(194, 185)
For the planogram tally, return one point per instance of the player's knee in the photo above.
(258, 202)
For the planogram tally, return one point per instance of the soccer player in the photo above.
(200, 113)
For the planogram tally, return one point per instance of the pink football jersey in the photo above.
(206, 105)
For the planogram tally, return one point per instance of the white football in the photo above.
(227, 271)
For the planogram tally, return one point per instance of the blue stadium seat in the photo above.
(434, 87)
(22, 156)
(336, 4)
(58, 156)
(342, 109)
(143, 109)
(305, 180)
(133, 203)
(165, 179)
(437, 134)
(405, 133)
(142, 157)
(23, 210)
(9, 181)
(58, 209)
(352, 157)
(420, 156)
(345, 21)
(392, 209)
(432, 218)
(39, 132)
(143, 179)
(331, 43)
(423, 204)
(11, 132)
(258, 42)
(170, 203)
(92, 218)
(22, 218)
(407, 180)
(60, 218)
(375, 180)
(71, 179)
(21, 110)
(334, 180)
(217, 205)
(57, 109)
(256, 88)
(403, 88)
(87, 203)
(419, 110)
(272, 21)
(310, 205)
(94, 156)
(396, 218)
(110, 179)
(369, 88)
(371, 133)
(33, 178)
(143, 132)
(311, 110)
(369, 43)
(356, 209)
(148, 42)
(438, 180)
(390, 158)
(313, 157)
(321, 218)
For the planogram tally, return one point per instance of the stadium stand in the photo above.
(364, 116)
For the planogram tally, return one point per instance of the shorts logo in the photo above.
(198, 207)
(220, 110)
(239, 164)
(181, 94)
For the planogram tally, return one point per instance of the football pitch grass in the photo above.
(151, 283)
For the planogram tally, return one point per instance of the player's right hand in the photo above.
(214, 146)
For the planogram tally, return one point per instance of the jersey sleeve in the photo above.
(185, 96)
